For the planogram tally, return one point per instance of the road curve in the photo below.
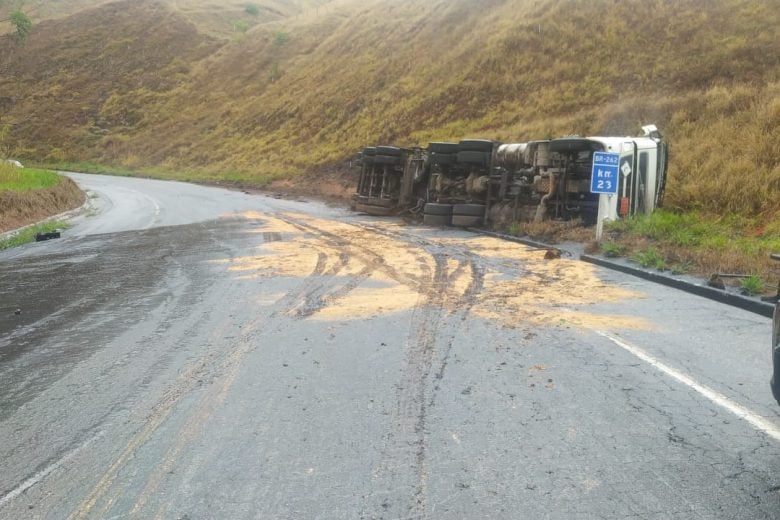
(193, 352)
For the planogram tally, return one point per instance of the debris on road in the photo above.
(43, 236)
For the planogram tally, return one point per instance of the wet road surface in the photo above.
(188, 352)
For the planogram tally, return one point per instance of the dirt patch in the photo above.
(544, 292)
(19, 209)
(335, 185)
(379, 273)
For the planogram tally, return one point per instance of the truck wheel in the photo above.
(387, 159)
(433, 208)
(466, 221)
(475, 145)
(471, 157)
(445, 148)
(443, 158)
(469, 210)
(436, 220)
(388, 150)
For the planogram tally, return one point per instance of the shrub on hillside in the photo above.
(22, 24)
(280, 38)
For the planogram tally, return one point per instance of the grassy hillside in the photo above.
(220, 18)
(137, 84)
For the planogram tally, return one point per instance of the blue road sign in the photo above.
(604, 175)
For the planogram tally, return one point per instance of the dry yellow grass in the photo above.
(214, 17)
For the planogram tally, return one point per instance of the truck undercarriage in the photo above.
(478, 182)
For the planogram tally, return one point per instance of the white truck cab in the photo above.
(643, 163)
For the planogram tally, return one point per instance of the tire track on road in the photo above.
(188, 381)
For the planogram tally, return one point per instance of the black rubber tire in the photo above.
(369, 150)
(443, 147)
(433, 208)
(471, 157)
(387, 159)
(436, 220)
(469, 210)
(466, 221)
(475, 145)
(388, 150)
(443, 158)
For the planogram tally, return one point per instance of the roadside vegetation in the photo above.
(29, 195)
(28, 234)
(296, 97)
(699, 243)
(25, 179)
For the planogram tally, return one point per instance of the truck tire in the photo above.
(387, 159)
(469, 210)
(475, 145)
(436, 220)
(443, 148)
(393, 151)
(443, 158)
(433, 208)
(471, 157)
(466, 221)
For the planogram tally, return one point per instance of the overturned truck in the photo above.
(478, 182)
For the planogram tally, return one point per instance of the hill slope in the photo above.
(214, 17)
(304, 94)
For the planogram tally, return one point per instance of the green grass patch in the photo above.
(752, 285)
(90, 167)
(726, 234)
(183, 175)
(651, 258)
(28, 234)
(613, 249)
(26, 179)
(701, 244)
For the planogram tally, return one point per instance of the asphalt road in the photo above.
(187, 352)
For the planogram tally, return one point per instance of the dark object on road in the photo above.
(17, 312)
(552, 254)
(40, 237)
(774, 383)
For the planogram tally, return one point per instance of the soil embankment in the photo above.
(19, 209)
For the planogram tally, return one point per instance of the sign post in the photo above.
(604, 181)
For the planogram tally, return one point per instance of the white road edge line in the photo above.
(30, 482)
(758, 422)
